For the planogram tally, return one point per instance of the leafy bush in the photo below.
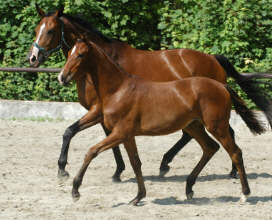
(240, 30)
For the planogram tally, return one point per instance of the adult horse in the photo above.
(132, 106)
(60, 31)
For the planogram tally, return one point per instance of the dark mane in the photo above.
(86, 25)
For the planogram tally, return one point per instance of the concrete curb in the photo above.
(68, 111)
(35, 110)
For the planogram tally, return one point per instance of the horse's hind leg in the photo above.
(120, 164)
(91, 118)
(135, 161)
(235, 153)
(233, 172)
(170, 154)
(209, 148)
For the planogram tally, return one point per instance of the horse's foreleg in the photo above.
(136, 164)
(209, 148)
(118, 159)
(91, 118)
(170, 154)
(109, 142)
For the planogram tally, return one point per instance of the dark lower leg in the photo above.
(118, 159)
(168, 157)
(69, 133)
(91, 118)
(120, 164)
(233, 172)
(209, 148)
(194, 174)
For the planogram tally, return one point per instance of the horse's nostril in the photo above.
(33, 58)
(62, 79)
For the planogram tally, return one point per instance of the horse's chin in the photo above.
(35, 65)
(64, 81)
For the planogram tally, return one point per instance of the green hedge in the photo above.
(240, 30)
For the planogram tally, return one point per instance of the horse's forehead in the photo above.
(48, 22)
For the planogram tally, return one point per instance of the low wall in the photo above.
(67, 111)
(34, 110)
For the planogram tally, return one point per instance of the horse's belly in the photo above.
(162, 124)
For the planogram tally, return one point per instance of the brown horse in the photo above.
(132, 106)
(57, 30)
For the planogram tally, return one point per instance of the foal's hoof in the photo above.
(164, 169)
(244, 198)
(190, 195)
(137, 199)
(75, 195)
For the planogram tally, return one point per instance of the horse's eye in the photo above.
(50, 31)
(80, 55)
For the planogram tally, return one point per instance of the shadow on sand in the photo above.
(183, 178)
(252, 200)
(206, 201)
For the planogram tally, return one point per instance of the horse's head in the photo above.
(76, 63)
(48, 36)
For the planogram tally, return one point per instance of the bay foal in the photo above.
(132, 106)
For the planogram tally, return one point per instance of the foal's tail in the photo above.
(248, 116)
(250, 86)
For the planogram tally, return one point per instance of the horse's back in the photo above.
(169, 65)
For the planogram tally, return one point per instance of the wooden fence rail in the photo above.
(31, 70)
(57, 70)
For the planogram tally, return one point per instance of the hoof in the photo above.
(134, 202)
(244, 198)
(63, 174)
(164, 170)
(116, 179)
(190, 195)
(75, 195)
(137, 199)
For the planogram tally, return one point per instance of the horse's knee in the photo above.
(68, 134)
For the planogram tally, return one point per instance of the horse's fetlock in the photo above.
(62, 163)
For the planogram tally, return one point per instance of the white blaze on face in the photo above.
(73, 50)
(59, 77)
(40, 33)
(35, 50)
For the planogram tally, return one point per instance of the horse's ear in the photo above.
(59, 12)
(40, 11)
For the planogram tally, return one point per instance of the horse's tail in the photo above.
(239, 77)
(250, 86)
(248, 116)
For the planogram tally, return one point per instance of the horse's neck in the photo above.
(106, 75)
(74, 32)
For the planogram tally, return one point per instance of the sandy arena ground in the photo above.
(29, 188)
